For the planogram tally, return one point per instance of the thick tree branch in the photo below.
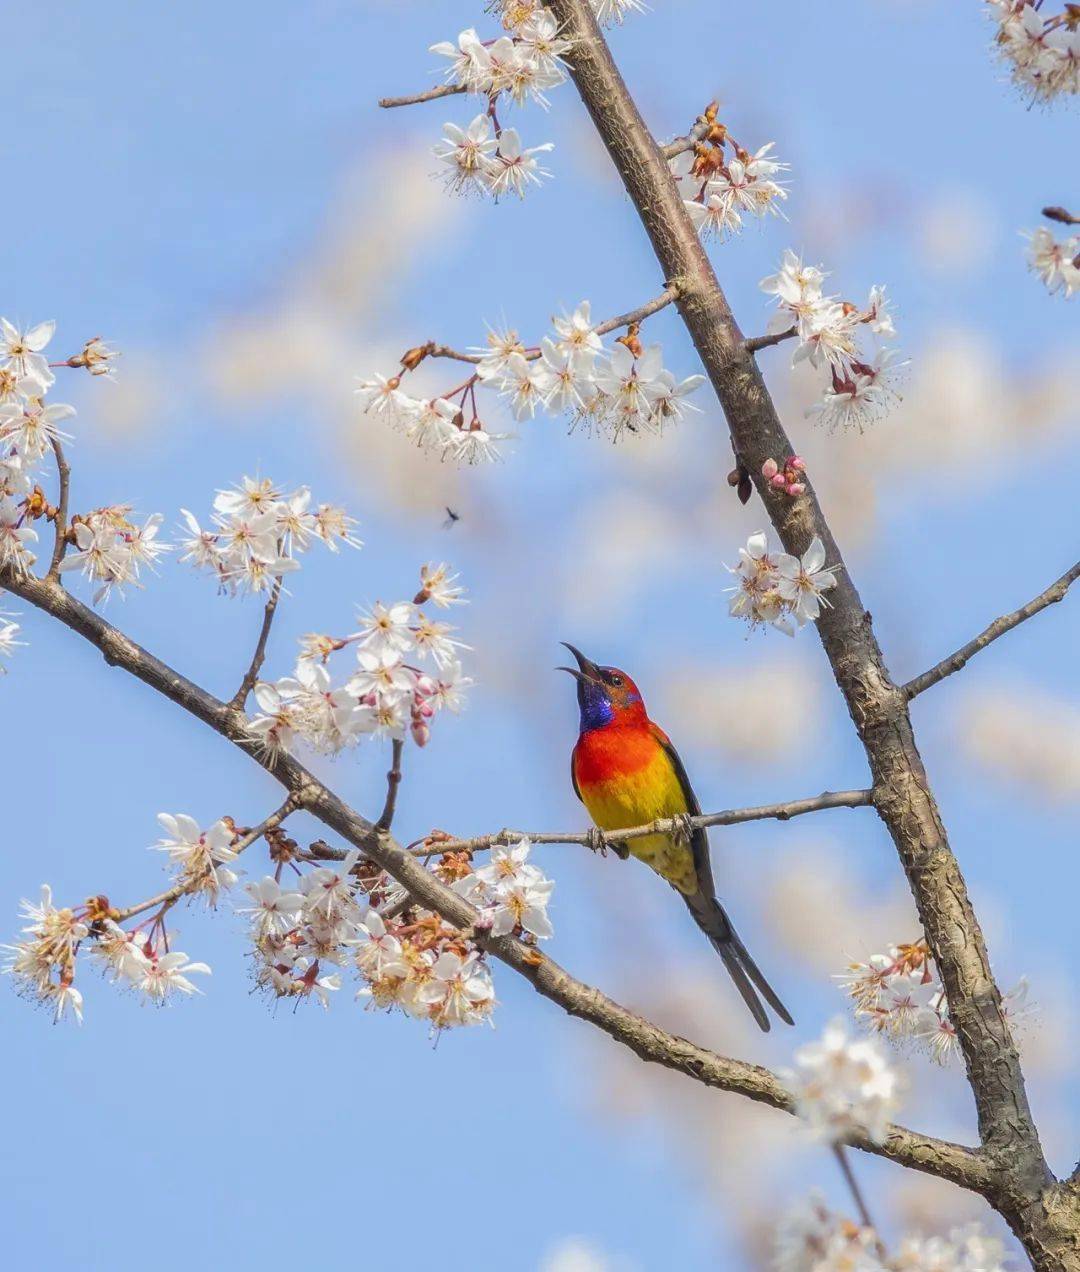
(1054, 593)
(878, 707)
(964, 1166)
(663, 826)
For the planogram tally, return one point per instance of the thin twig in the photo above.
(63, 469)
(259, 656)
(172, 895)
(858, 1197)
(430, 95)
(650, 307)
(663, 826)
(393, 781)
(1054, 593)
(754, 343)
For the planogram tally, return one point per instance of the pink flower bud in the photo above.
(421, 734)
(769, 469)
(795, 488)
(778, 480)
(797, 463)
(425, 685)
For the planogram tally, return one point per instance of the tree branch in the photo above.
(429, 95)
(663, 826)
(650, 307)
(878, 707)
(259, 656)
(754, 343)
(393, 781)
(63, 471)
(1054, 593)
(964, 1166)
(174, 893)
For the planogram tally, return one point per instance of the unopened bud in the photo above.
(779, 480)
(795, 488)
(421, 734)
(412, 358)
(769, 469)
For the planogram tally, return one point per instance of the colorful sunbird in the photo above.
(627, 773)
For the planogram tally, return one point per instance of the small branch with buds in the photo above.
(60, 518)
(429, 95)
(393, 782)
(413, 357)
(753, 343)
(1054, 593)
(168, 898)
(435, 843)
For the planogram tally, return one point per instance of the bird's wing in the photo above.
(573, 773)
(699, 841)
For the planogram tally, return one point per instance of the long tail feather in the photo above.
(712, 918)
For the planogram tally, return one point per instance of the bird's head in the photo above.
(605, 694)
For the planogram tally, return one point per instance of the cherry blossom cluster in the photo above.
(1056, 261)
(898, 995)
(110, 549)
(1042, 49)
(511, 894)
(386, 693)
(258, 531)
(353, 916)
(813, 1238)
(486, 157)
(719, 190)
(843, 1086)
(624, 389)
(778, 589)
(43, 962)
(201, 858)
(861, 385)
(28, 430)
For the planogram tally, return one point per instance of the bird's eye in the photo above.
(616, 682)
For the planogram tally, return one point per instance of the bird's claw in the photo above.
(599, 842)
(683, 827)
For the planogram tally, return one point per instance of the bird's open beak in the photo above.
(585, 670)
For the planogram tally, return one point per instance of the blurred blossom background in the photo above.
(213, 189)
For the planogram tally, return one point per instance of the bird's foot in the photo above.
(599, 842)
(682, 828)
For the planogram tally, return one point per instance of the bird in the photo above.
(452, 518)
(626, 772)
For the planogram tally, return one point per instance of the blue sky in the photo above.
(181, 169)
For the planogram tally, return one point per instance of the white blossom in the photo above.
(844, 1086)
(1055, 261)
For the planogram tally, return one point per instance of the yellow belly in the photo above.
(636, 799)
